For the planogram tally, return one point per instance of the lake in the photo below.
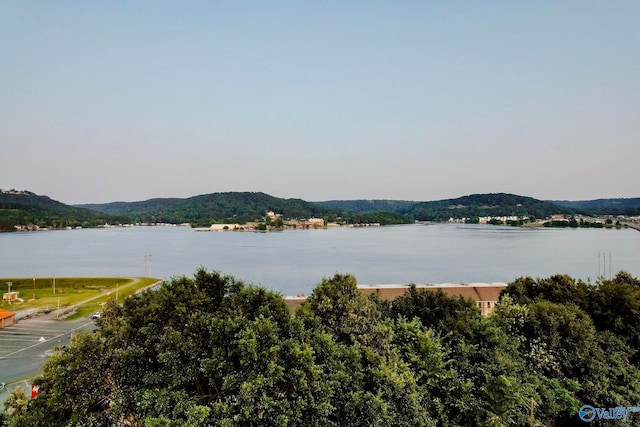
(294, 261)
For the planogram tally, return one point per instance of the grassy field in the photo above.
(79, 295)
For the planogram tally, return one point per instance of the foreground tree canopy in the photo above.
(211, 350)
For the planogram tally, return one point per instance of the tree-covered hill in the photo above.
(24, 208)
(604, 206)
(369, 206)
(132, 208)
(475, 205)
(216, 207)
(479, 205)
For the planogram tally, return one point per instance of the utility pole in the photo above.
(147, 263)
(34, 287)
(12, 299)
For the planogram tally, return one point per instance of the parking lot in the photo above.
(25, 346)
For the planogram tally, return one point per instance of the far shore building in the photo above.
(504, 219)
(220, 227)
(7, 318)
(311, 222)
(10, 296)
(224, 227)
(273, 216)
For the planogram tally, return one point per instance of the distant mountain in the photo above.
(211, 208)
(604, 206)
(475, 205)
(370, 206)
(479, 205)
(133, 209)
(24, 208)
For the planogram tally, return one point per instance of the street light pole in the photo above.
(11, 300)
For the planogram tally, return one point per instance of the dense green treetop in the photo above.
(212, 350)
(587, 333)
(372, 384)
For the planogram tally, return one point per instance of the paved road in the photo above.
(25, 346)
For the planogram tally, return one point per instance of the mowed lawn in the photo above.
(43, 294)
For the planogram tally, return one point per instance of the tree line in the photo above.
(481, 205)
(25, 209)
(212, 350)
(28, 209)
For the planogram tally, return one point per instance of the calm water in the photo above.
(293, 262)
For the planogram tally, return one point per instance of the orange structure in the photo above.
(7, 318)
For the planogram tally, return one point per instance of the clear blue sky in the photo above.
(417, 100)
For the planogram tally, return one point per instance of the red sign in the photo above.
(34, 391)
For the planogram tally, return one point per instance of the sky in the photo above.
(105, 101)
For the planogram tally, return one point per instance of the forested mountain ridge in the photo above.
(24, 208)
(132, 208)
(619, 206)
(215, 207)
(491, 204)
(475, 205)
(368, 206)
(251, 206)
